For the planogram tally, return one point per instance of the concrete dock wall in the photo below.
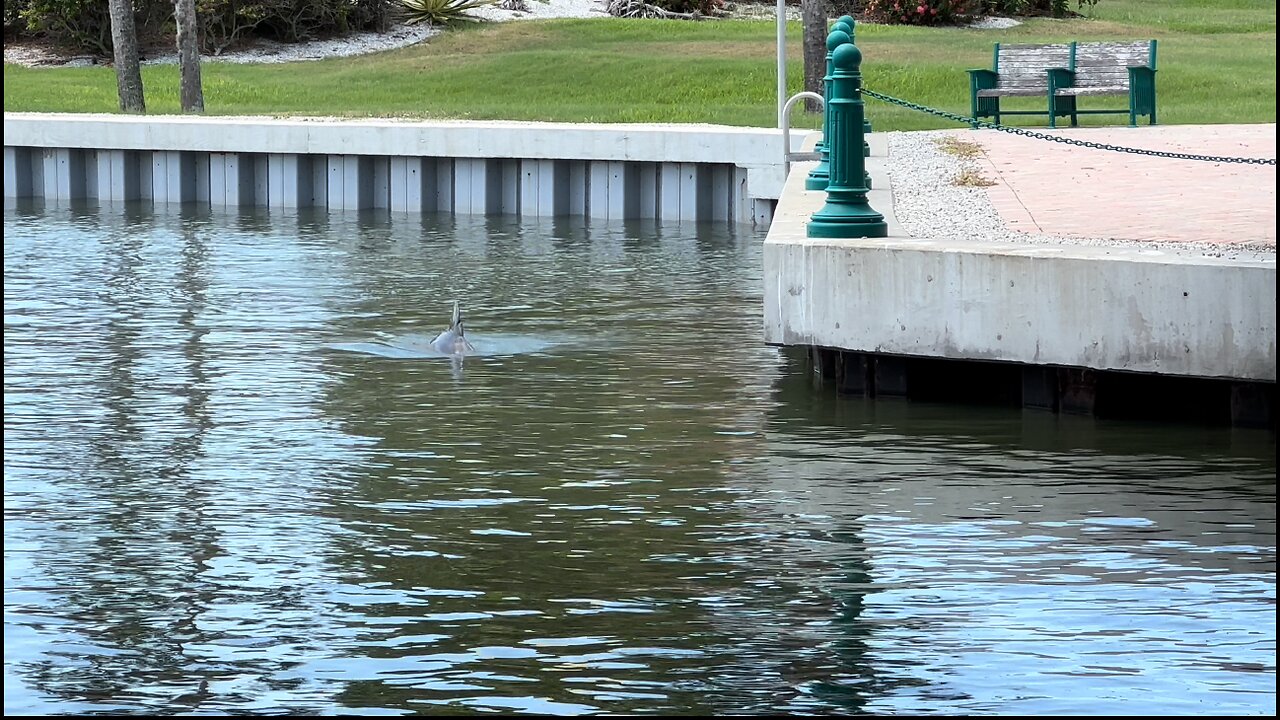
(1100, 308)
(669, 172)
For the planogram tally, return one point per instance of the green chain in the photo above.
(1055, 138)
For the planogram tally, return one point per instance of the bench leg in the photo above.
(1062, 106)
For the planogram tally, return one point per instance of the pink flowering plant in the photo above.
(921, 12)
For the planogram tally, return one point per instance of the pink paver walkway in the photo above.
(1066, 190)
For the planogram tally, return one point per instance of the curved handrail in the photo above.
(787, 155)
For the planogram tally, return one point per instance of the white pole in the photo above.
(782, 58)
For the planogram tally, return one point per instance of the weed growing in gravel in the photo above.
(970, 177)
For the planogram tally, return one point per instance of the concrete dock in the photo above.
(1057, 326)
(701, 173)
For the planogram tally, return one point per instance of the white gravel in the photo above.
(929, 205)
(994, 23)
(270, 51)
(544, 10)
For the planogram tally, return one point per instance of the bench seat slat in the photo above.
(1013, 92)
(1067, 92)
(1115, 61)
(1040, 79)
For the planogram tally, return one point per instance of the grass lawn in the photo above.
(1217, 64)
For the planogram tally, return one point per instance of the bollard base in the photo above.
(834, 226)
(819, 179)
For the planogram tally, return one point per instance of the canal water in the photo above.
(238, 480)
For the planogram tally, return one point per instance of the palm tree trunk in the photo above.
(192, 95)
(124, 48)
(813, 15)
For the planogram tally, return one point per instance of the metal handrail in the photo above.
(787, 155)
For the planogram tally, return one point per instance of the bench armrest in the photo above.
(982, 79)
(1060, 78)
(1142, 92)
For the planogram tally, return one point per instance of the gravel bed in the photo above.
(929, 205)
(994, 23)
(362, 43)
(539, 10)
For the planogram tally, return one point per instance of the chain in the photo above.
(1056, 138)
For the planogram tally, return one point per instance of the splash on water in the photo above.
(414, 346)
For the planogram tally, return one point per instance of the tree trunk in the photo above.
(192, 96)
(124, 49)
(813, 14)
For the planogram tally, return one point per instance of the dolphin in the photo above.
(453, 341)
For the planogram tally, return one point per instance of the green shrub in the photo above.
(1053, 8)
(81, 24)
(85, 26)
(13, 22)
(705, 7)
(922, 12)
(953, 12)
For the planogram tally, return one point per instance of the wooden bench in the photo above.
(1064, 72)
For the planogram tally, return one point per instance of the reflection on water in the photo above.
(236, 480)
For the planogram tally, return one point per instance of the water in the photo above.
(236, 481)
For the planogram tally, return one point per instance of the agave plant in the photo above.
(441, 12)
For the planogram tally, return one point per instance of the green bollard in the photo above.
(817, 179)
(866, 124)
(846, 24)
(847, 213)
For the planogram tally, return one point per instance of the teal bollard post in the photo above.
(846, 23)
(847, 213)
(817, 179)
(867, 124)
(853, 38)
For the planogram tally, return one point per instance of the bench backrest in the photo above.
(1106, 64)
(1023, 66)
(1096, 64)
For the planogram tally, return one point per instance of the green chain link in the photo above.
(1055, 138)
